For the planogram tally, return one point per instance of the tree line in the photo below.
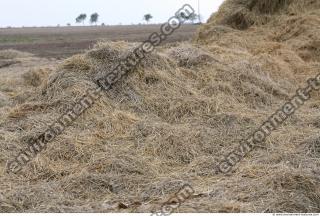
(82, 17)
(147, 17)
(191, 18)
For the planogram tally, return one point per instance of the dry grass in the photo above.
(76, 62)
(241, 14)
(13, 54)
(171, 121)
(36, 77)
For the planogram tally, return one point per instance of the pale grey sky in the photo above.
(17, 13)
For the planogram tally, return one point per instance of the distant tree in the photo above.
(81, 18)
(103, 24)
(94, 18)
(68, 24)
(147, 17)
(192, 17)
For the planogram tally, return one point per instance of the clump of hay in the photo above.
(213, 31)
(77, 63)
(302, 34)
(296, 192)
(268, 6)
(310, 51)
(36, 77)
(7, 63)
(241, 14)
(252, 85)
(109, 52)
(13, 54)
(4, 100)
(188, 56)
(312, 147)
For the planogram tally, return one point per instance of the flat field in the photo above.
(60, 42)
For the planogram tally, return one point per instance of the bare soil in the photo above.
(60, 42)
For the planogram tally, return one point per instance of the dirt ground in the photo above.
(60, 42)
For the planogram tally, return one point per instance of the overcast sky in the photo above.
(19, 13)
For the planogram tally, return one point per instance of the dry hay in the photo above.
(35, 77)
(77, 63)
(188, 56)
(293, 23)
(242, 14)
(169, 122)
(7, 63)
(13, 54)
(4, 100)
(296, 192)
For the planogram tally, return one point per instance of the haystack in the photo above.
(173, 118)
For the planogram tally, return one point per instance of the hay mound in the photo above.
(241, 14)
(171, 119)
(294, 22)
